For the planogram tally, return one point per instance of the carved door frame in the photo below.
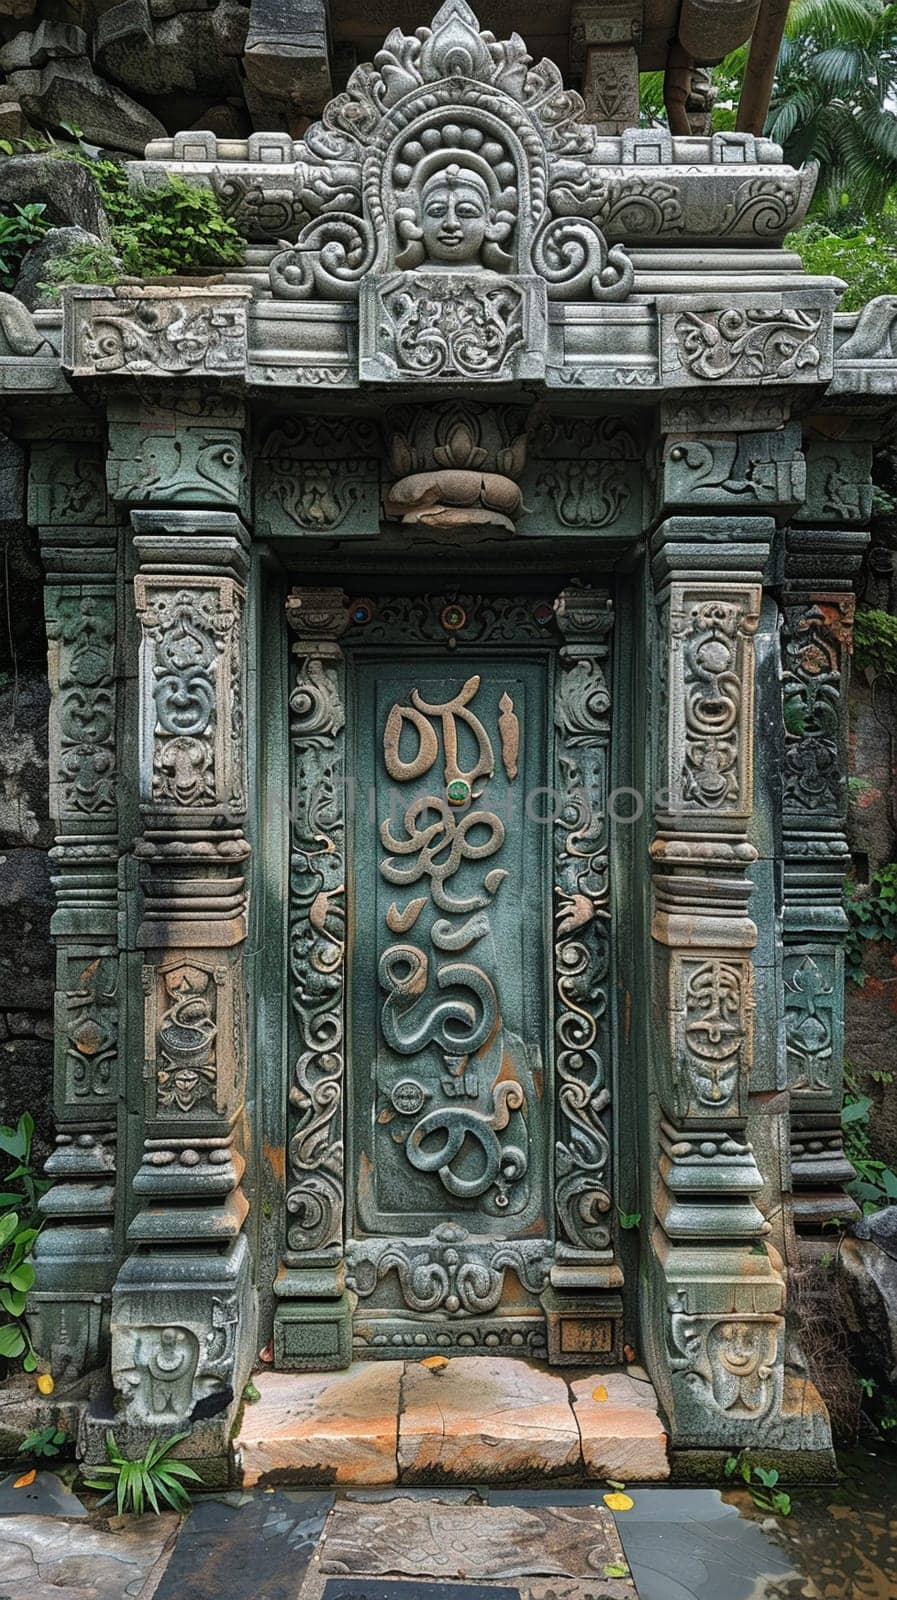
(571, 1273)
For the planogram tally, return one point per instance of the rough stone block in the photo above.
(622, 1436)
(485, 1420)
(328, 1428)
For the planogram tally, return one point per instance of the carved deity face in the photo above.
(455, 216)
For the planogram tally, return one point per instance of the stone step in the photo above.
(471, 1420)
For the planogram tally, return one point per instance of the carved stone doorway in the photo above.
(449, 1154)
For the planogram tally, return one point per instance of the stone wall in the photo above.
(26, 953)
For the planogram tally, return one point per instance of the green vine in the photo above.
(875, 1184)
(871, 916)
(875, 640)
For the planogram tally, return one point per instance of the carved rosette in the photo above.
(582, 916)
(315, 1182)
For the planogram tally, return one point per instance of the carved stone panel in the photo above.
(155, 332)
(443, 327)
(194, 1040)
(711, 1035)
(776, 339)
(81, 627)
(192, 728)
(710, 699)
(318, 476)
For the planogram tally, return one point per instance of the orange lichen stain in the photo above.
(435, 1363)
(26, 1478)
(89, 972)
(628, 1353)
(276, 1157)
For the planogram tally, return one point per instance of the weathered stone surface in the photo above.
(258, 1547)
(26, 966)
(476, 1543)
(867, 1265)
(33, 271)
(323, 1428)
(43, 1556)
(65, 187)
(485, 1419)
(622, 1436)
(71, 92)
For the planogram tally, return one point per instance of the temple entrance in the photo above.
(470, 762)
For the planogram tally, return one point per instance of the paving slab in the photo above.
(47, 1558)
(484, 1420)
(323, 1427)
(572, 1553)
(246, 1547)
(46, 1496)
(622, 1436)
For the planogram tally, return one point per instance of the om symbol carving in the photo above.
(462, 1116)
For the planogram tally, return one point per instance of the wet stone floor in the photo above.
(840, 1543)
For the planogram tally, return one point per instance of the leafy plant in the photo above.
(864, 253)
(875, 1184)
(875, 639)
(134, 1484)
(19, 230)
(629, 1219)
(41, 1442)
(19, 1227)
(83, 263)
(761, 1482)
(872, 916)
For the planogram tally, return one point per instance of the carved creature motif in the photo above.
(186, 1072)
(714, 1030)
(169, 336)
(450, 329)
(732, 1364)
(191, 631)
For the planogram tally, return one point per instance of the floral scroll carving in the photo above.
(82, 634)
(733, 1364)
(582, 912)
(740, 345)
(317, 930)
(814, 645)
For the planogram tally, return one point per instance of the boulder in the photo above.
(70, 92)
(66, 188)
(867, 1264)
(33, 271)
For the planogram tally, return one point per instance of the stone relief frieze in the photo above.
(778, 341)
(765, 470)
(319, 475)
(66, 485)
(450, 1271)
(155, 332)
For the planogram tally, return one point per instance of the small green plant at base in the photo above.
(43, 1442)
(19, 1227)
(83, 263)
(135, 1484)
(251, 1393)
(629, 1219)
(761, 1483)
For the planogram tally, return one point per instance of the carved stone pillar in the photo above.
(582, 1304)
(75, 1253)
(822, 556)
(183, 1327)
(312, 1322)
(715, 1287)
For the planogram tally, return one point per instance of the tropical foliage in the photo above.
(135, 1484)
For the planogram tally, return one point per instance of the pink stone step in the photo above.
(474, 1420)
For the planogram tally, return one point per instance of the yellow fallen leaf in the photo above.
(618, 1502)
(45, 1383)
(26, 1478)
(600, 1393)
(435, 1363)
